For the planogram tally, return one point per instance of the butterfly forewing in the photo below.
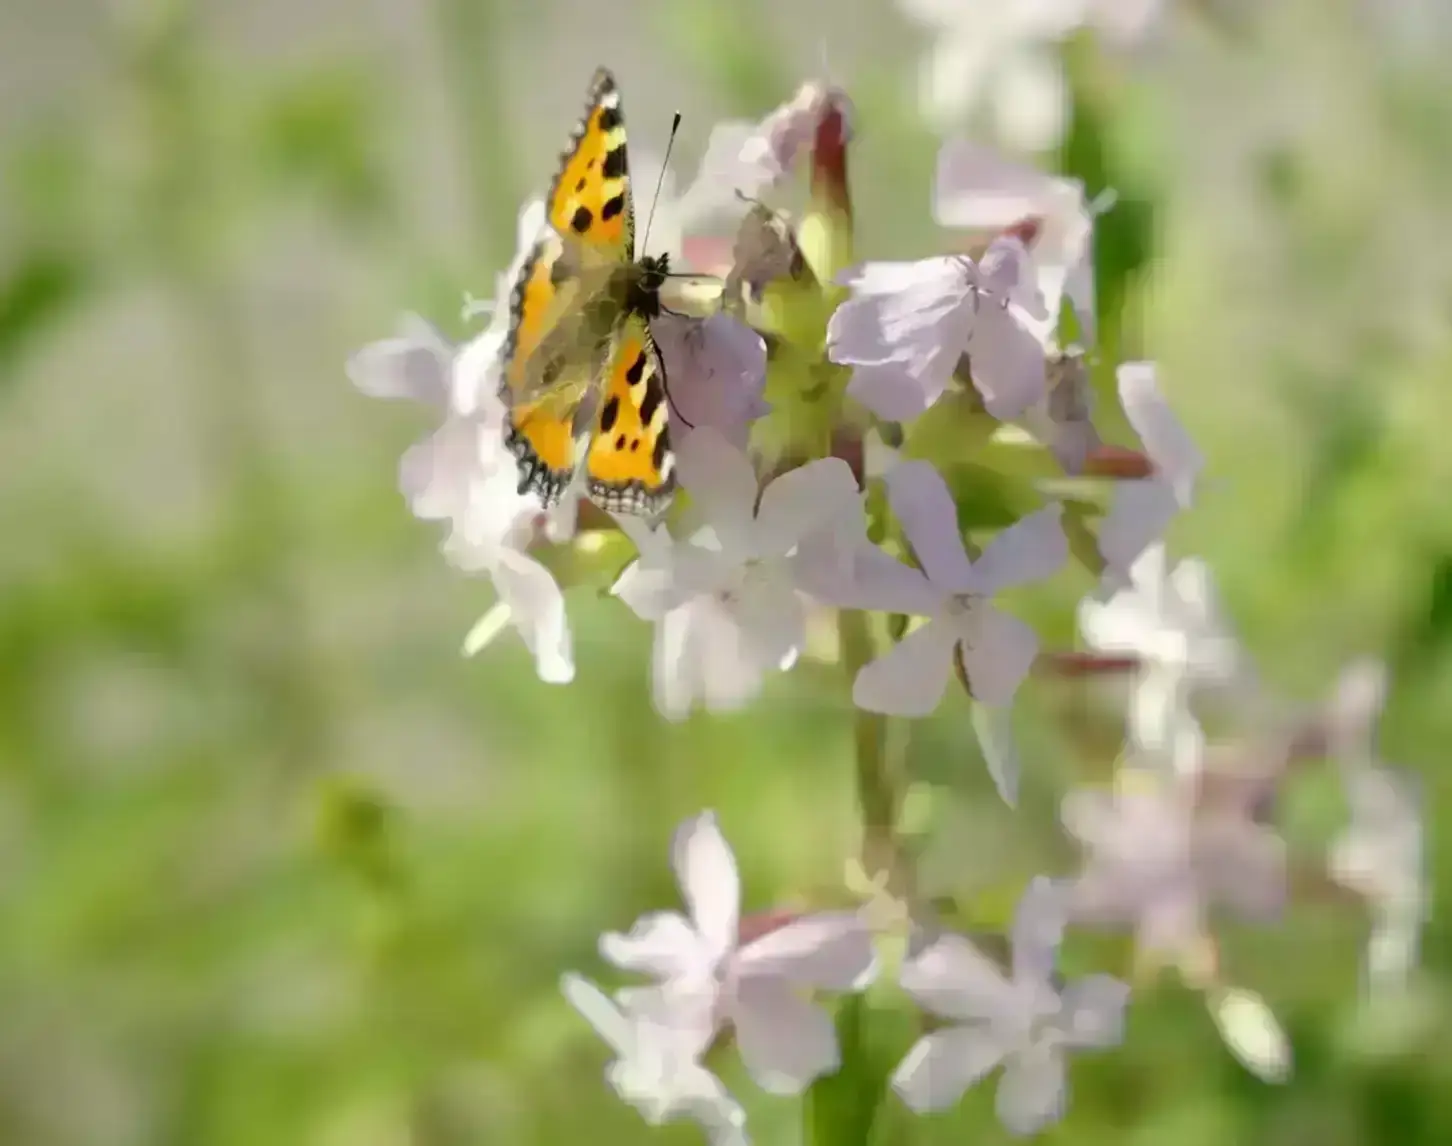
(579, 361)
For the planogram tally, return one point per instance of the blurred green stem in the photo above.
(877, 794)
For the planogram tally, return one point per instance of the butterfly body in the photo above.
(581, 375)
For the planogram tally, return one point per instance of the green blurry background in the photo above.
(278, 866)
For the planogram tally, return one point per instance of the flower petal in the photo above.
(710, 885)
(896, 394)
(1093, 1011)
(1252, 1033)
(832, 950)
(1006, 362)
(1038, 929)
(662, 945)
(1033, 1091)
(911, 677)
(953, 979)
(415, 364)
(785, 1042)
(998, 651)
(537, 609)
(922, 502)
(600, 1012)
(815, 496)
(859, 575)
(994, 728)
(1166, 441)
(1033, 548)
(1139, 514)
(944, 1064)
(721, 483)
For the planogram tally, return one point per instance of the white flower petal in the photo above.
(600, 1012)
(944, 1064)
(1033, 548)
(815, 496)
(997, 655)
(862, 576)
(537, 609)
(1140, 512)
(1165, 439)
(896, 394)
(911, 677)
(1251, 1033)
(922, 502)
(1006, 361)
(1033, 1091)
(953, 979)
(994, 729)
(706, 872)
(785, 1042)
(415, 364)
(832, 950)
(662, 945)
(721, 482)
(1038, 929)
(1093, 1014)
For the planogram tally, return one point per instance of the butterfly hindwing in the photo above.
(629, 466)
(590, 201)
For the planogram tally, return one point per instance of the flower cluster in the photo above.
(826, 416)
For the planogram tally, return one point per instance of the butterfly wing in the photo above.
(590, 203)
(629, 466)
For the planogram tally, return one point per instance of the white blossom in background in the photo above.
(1001, 61)
(657, 1068)
(1143, 508)
(906, 325)
(1251, 1032)
(726, 603)
(1157, 858)
(1021, 1020)
(977, 189)
(1170, 622)
(705, 976)
(954, 594)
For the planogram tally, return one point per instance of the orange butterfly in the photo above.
(582, 377)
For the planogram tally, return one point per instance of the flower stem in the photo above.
(877, 794)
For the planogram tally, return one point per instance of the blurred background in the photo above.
(278, 865)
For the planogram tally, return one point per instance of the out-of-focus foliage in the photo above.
(277, 866)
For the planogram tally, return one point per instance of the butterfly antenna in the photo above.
(660, 180)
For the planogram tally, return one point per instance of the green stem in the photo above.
(877, 795)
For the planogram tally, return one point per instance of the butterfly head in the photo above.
(650, 275)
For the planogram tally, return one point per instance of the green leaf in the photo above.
(38, 291)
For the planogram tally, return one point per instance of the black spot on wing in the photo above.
(612, 207)
(610, 118)
(651, 403)
(620, 442)
(637, 370)
(580, 186)
(609, 413)
(614, 166)
(634, 444)
(582, 220)
(662, 447)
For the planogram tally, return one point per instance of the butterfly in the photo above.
(581, 376)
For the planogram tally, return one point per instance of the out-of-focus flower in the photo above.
(1170, 622)
(1158, 857)
(706, 977)
(1250, 1030)
(1379, 857)
(1004, 57)
(726, 603)
(1020, 1020)
(657, 1067)
(1064, 420)
(906, 326)
(994, 649)
(979, 190)
(1143, 508)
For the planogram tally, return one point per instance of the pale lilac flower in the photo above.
(995, 649)
(1379, 856)
(726, 603)
(1143, 508)
(1020, 1020)
(906, 325)
(1157, 858)
(1064, 420)
(1003, 59)
(717, 372)
(657, 1068)
(701, 968)
(978, 189)
(1171, 623)
(752, 158)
